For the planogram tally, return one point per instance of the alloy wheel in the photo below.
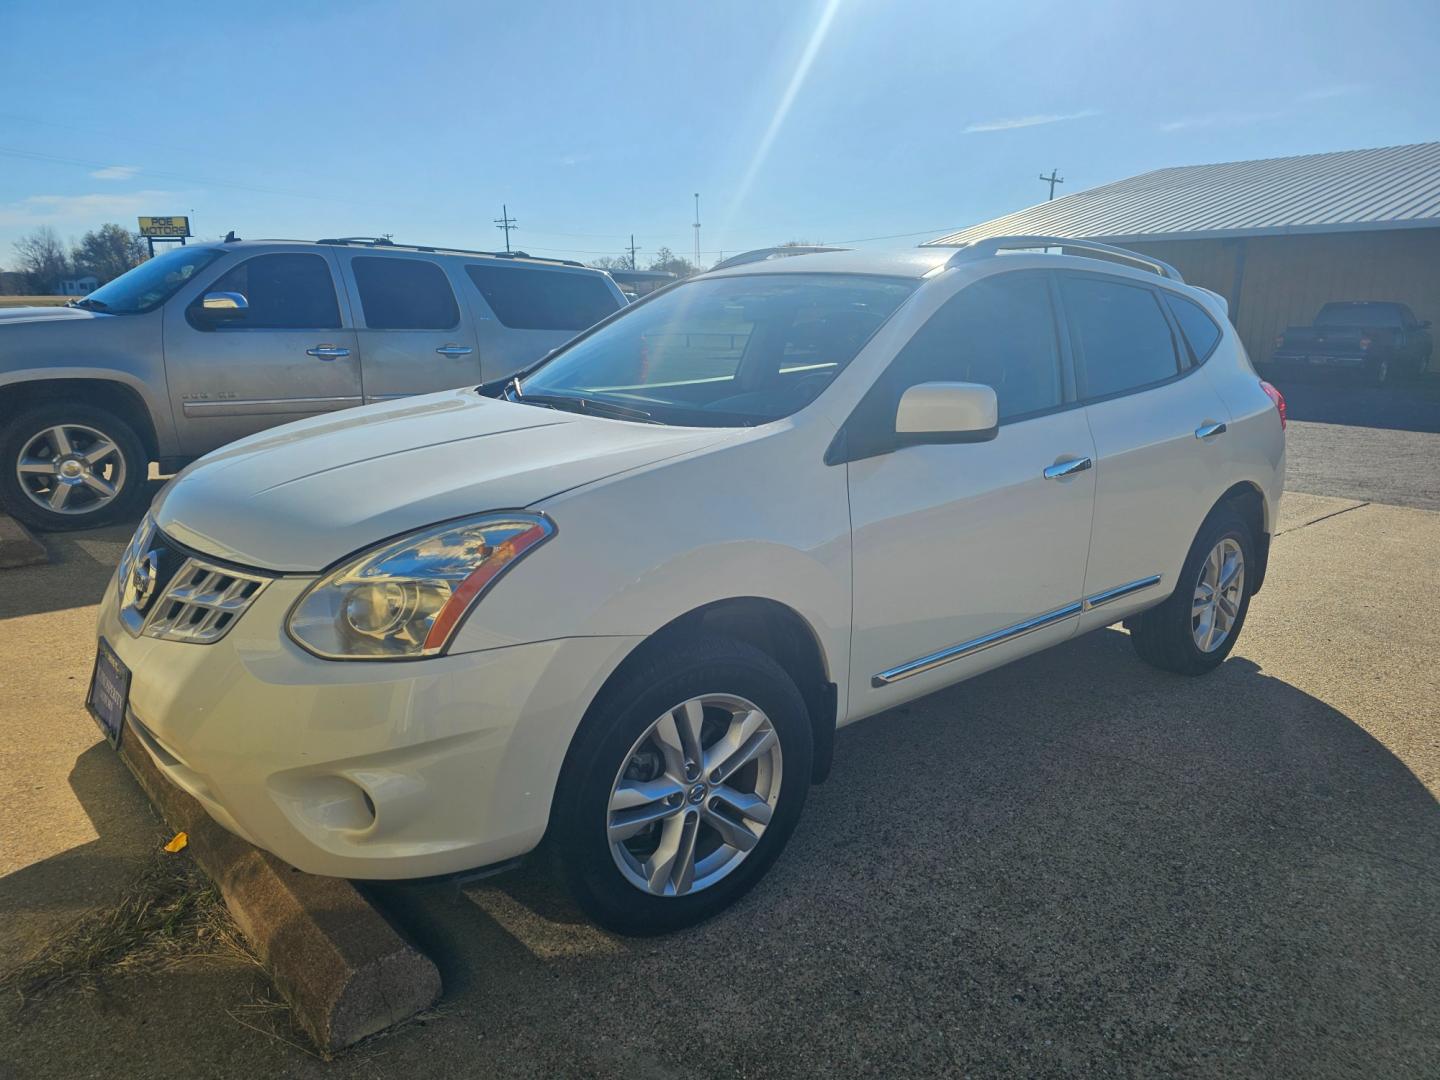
(1218, 595)
(71, 469)
(694, 795)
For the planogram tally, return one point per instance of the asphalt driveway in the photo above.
(1074, 865)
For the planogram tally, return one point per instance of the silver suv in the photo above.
(211, 342)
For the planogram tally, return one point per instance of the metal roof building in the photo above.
(1277, 237)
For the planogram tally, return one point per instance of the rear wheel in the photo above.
(70, 467)
(682, 787)
(1194, 630)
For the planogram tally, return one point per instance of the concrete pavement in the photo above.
(1073, 865)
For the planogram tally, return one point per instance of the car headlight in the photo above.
(405, 599)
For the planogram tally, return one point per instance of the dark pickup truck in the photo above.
(1379, 339)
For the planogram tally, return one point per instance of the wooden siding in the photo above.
(1287, 278)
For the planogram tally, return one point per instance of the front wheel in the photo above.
(70, 467)
(1194, 630)
(682, 787)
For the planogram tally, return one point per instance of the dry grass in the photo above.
(169, 914)
(33, 301)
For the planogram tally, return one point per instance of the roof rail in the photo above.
(380, 241)
(761, 254)
(992, 245)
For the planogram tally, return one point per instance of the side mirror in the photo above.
(225, 304)
(947, 412)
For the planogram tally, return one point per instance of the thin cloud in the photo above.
(1325, 93)
(1229, 119)
(84, 209)
(115, 172)
(1029, 121)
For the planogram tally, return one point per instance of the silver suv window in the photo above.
(151, 283)
(289, 291)
(528, 298)
(404, 294)
(1123, 336)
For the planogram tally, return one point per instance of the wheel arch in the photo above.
(112, 395)
(776, 629)
(1248, 500)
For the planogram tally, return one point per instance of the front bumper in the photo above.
(362, 769)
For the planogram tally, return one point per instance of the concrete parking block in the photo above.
(341, 966)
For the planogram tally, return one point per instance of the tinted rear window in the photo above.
(404, 294)
(1125, 341)
(1199, 329)
(527, 298)
(1358, 315)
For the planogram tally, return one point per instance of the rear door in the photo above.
(415, 337)
(1159, 432)
(525, 310)
(285, 354)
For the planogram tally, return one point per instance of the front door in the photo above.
(969, 555)
(280, 353)
(414, 337)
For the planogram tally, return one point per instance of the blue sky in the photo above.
(810, 119)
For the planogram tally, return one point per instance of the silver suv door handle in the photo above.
(327, 352)
(454, 350)
(1208, 431)
(1067, 468)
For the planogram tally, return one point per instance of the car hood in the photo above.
(47, 314)
(300, 497)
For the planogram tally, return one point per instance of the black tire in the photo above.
(670, 677)
(1164, 636)
(125, 470)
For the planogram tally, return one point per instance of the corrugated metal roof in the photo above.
(1393, 187)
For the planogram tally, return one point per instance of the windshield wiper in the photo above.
(587, 406)
(89, 304)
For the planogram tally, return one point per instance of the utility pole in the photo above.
(1053, 179)
(697, 232)
(632, 251)
(506, 222)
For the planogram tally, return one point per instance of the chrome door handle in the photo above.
(1067, 468)
(454, 350)
(1208, 431)
(327, 352)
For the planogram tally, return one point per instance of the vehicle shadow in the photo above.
(1412, 405)
(1071, 864)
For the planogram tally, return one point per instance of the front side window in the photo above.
(721, 352)
(284, 291)
(404, 294)
(999, 332)
(528, 298)
(1201, 333)
(1124, 339)
(152, 282)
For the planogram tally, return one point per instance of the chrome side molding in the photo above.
(1010, 633)
(1102, 598)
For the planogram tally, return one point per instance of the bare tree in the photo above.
(41, 257)
(611, 262)
(670, 263)
(108, 252)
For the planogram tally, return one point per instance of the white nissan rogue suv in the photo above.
(621, 601)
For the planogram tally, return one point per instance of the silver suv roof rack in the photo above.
(993, 245)
(761, 254)
(380, 241)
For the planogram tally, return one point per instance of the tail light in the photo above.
(1278, 398)
(1279, 340)
(1364, 343)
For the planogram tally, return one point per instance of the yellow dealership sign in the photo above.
(164, 226)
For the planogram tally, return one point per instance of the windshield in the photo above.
(1358, 315)
(721, 352)
(151, 283)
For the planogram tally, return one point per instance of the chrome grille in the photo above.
(202, 602)
(166, 592)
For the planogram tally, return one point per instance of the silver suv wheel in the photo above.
(694, 795)
(71, 469)
(1218, 595)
